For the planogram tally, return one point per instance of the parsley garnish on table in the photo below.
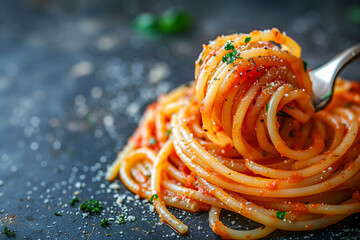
(122, 219)
(104, 222)
(92, 206)
(73, 201)
(57, 214)
(9, 233)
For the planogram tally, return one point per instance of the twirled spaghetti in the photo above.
(220, 142)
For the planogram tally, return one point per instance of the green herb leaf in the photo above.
(152, 141)
(57, 214)
(92, 206)
(291, 134)
(152, 198)
(122, 219)
(9, 233)
(267, 107)
(291, 107)
(175, 21)
(247, 39)
(264, 153)
(353, 14)
(146, 23)
(349, 104)
(149, 232)
(104, 222)
(73, 201)
(108, 235)
(326, 96)
(230, 57)
(336, 155)
(149, 176)
(168, 132)
(229, 46)
(305, 65)
(280, 215)
(306, 203)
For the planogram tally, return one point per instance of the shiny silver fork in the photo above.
(323, 78)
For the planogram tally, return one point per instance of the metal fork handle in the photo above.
(324, 77)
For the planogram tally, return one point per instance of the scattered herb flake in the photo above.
(229, 46)
(291, 107)
(73, 201)
(280, 215)
(57, 214)
(104, 222)
(92, 206)
(306, 203)
(247, 39)
(336, 155)
(152, 141)
(152, 198)
(175, 21)
(108, 235)
(168, 132)
(9, 233)
(122, 219)
(349, 104)
(305, 65)
(149, 176)
(264, 153)
(230, 57)
(291, 134)
(267, 106)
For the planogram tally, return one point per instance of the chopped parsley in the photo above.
(122, 219)
(353, 14)
(247, 39)
(291, 107)
(152, 198)
(306, 203)
(172, 21)
(104, 222)
(229, 46)
(167, 133)
(57, 214)
(291, 134)
(305, 65)
(92, 206)
(152, 141)
(149, 176)
(175, 21)
(336, 155)
(280, 215)
(108, 235)
(264, 153)
(267, 106)
(73, 201)
(230, 57)
(349, 104)
(326, 96)
(9, 233)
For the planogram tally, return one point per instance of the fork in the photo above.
(323, 78)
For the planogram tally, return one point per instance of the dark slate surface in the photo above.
(74, 81)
